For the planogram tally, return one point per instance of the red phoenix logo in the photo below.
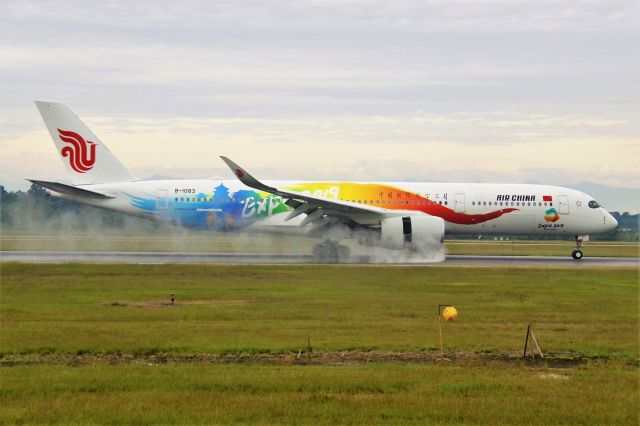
(239, 173)
(81, 153)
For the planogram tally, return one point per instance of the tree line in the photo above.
(36, 212)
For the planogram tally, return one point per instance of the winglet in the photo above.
(246, 178)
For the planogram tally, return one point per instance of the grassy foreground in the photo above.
(110, 308)
(364, 394)
(51, 312)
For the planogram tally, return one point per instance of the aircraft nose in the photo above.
(611, 221)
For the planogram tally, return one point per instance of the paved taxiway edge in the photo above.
(266, 258)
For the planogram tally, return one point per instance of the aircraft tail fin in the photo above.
(85, 157)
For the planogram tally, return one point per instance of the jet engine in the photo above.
(412, 232)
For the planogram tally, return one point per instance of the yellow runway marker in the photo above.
(449, 313)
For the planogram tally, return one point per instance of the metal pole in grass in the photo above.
(534, 344)
(526, 341)
(449, 313)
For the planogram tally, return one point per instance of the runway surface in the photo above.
(261, 258)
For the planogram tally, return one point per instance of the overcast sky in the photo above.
(476, 91)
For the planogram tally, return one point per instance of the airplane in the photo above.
(393, 215)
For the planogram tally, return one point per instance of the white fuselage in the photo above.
(468, 208)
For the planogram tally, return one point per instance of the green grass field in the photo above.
(100, 344)
(259, 243)
(363, 394)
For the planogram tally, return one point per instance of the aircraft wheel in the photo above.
(326, 253)
(343, 253)
(577, 254)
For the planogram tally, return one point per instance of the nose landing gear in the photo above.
(577, 252)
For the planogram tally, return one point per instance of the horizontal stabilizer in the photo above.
(70, 190)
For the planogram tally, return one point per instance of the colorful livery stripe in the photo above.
(393, 198)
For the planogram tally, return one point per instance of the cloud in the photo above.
(461, 90)
(492, 147)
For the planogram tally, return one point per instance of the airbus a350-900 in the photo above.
(399, 215)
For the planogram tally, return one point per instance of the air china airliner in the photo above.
(399, 215)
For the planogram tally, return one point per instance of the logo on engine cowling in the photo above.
(81, 153)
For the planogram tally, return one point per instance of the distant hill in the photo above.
(612, 198)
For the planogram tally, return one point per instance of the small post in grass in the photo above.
(526, 341)
(534, 341)
(309, 347)
(449, 313)
(173, 298)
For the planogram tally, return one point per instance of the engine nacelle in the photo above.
(412, 231)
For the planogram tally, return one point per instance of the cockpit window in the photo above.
(594, 204)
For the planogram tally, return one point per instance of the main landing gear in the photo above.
(577, 252)
(331, 252)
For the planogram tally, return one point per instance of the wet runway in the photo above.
(263, 258)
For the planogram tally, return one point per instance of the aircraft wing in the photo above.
(316, 208)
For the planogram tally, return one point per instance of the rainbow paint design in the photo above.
(221, 209)
(392, 198)
(551, 215)
(225, 210)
